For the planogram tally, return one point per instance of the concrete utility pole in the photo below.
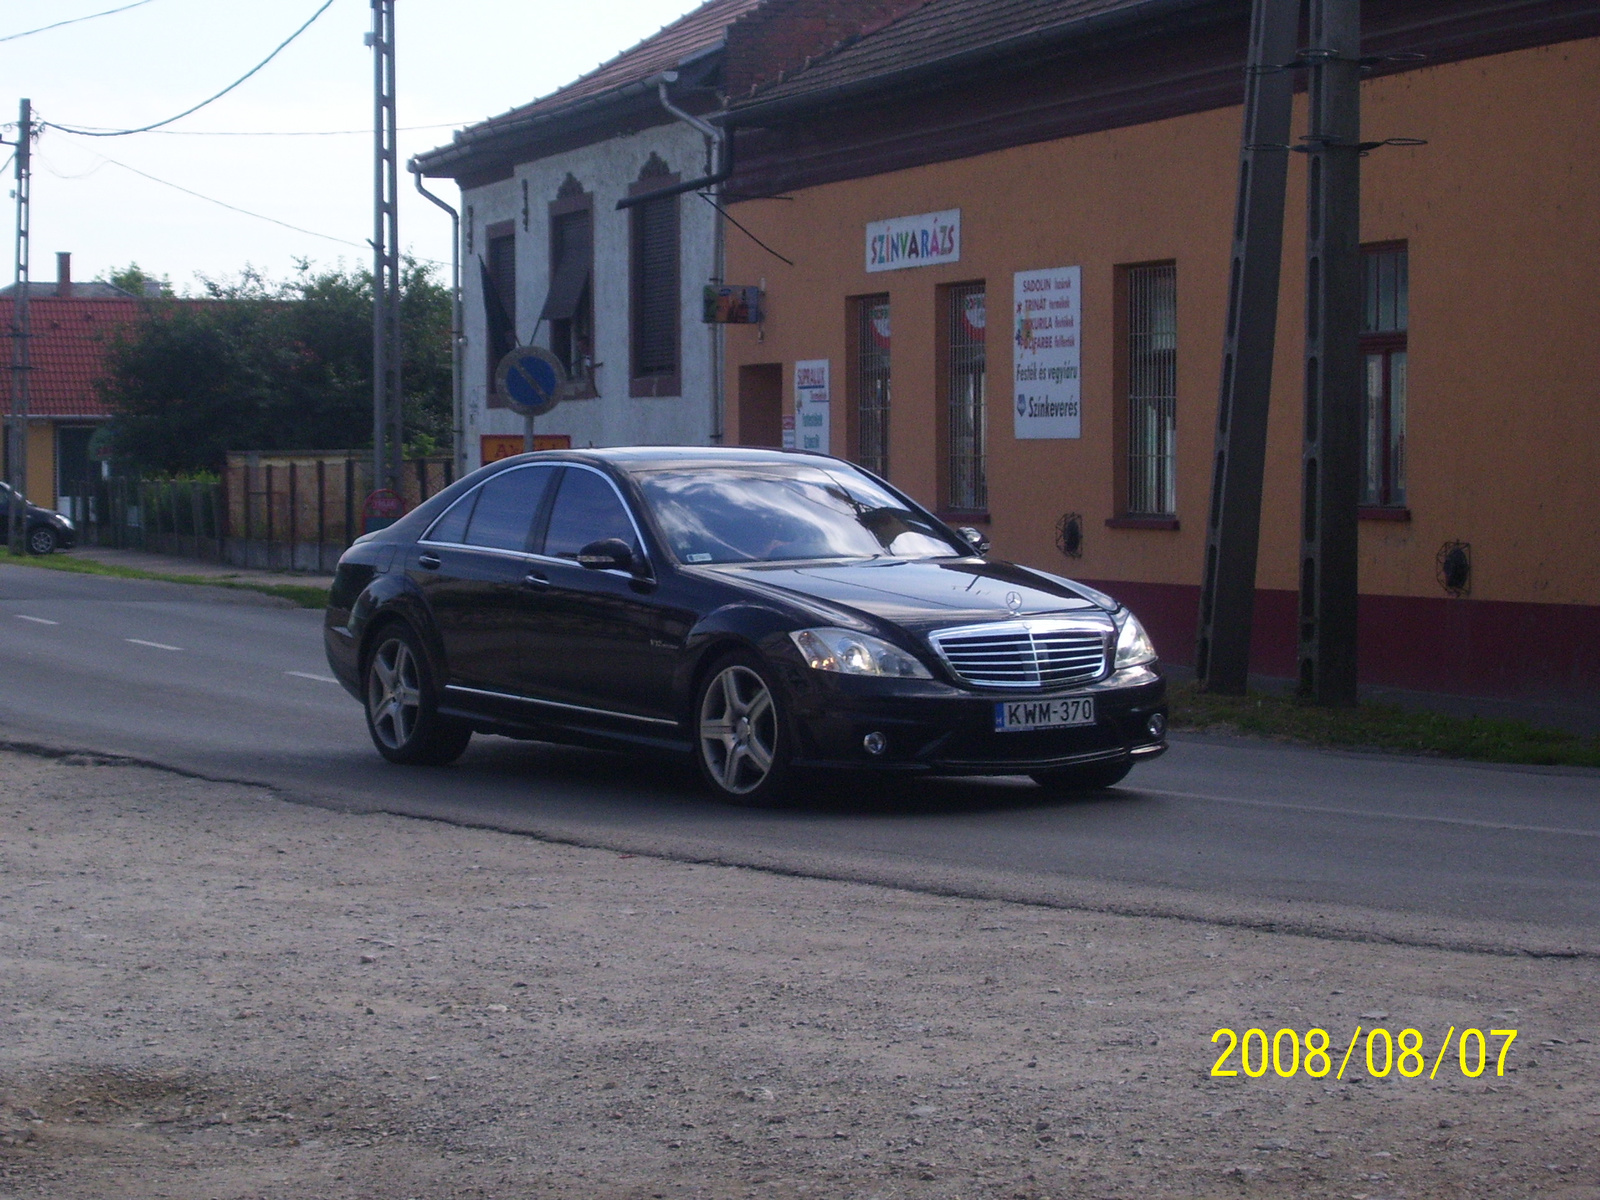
(21, 334)
(388, 417)
(1331, 453)
(1228, 587)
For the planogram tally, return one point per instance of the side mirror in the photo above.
(608, 554)
(974, 538)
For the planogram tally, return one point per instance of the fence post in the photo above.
(268, 470)
(322, 508)
(349, 502)
(249, 516)
(294, 515)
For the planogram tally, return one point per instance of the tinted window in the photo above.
(506, 507)
(586, 510)
(777, 514)
(452, 527)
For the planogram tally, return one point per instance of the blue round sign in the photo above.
(530, 378)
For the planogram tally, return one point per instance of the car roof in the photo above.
(634, 458)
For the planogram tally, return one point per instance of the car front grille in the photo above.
(1024, 654)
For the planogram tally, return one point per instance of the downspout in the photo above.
(721, 168)
(458, 414)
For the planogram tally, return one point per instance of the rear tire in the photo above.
(41, 540)
(1085, 778)
(402, 704)
(741, 742)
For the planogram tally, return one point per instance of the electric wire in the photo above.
(87, 132)
(732, 220)
(11, 37)
(231, 207)
(235, 208)
(298, 132)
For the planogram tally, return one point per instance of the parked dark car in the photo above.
(47, 531)
(767, 612)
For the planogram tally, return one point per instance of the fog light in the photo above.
(875, 743)
(1157, 724)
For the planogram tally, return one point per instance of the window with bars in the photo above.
(871, 384)
(1151, 403)
(1385, 278)
(966, 419)
(655, 297)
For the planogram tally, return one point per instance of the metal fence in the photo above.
(284, 512)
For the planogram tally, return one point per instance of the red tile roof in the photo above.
(70, 339)
(661, 51)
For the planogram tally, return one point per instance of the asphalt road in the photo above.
(231, 685)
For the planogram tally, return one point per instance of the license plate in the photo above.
(1010, 716)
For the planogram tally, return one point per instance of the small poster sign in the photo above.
(812, 406)
(1046, 336)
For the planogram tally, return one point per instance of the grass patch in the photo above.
(302, 595)
(1382, 727)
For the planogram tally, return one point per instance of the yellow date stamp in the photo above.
(1287, 1053)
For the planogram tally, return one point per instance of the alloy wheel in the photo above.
(394, 694)
(738, 730)
(42, 540)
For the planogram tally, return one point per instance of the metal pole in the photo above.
(1331, 456)
(1228, 589)
(458, 333)
(22, 334)
(388, 418)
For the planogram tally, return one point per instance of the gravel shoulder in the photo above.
(206, 991)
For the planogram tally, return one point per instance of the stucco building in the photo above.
(943, 181)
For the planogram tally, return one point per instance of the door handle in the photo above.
(430, 561)
(536, 580)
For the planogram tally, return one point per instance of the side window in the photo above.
(586, 510)
(506, 507)
(452, 527)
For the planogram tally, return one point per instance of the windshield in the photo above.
(780, 513)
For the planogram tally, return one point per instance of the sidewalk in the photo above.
(167, 564)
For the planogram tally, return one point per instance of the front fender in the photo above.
(395, 597)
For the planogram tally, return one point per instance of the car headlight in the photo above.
(1134, 647)
(856, 654)
(64, 521)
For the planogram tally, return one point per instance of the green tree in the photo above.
(134, 278)
(258, 364)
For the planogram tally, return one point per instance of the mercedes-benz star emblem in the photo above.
(1013, 600)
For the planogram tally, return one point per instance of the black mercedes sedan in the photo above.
(769, 613)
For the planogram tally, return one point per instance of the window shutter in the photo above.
(655, 317)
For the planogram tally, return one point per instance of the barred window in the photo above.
(1152, 399)
(1386, 287)
(872, 384)
(967, 433)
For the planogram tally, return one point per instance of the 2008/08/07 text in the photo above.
(1287, 1054)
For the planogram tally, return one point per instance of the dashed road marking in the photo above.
(309, 675)
(35, 620)
(152, 645)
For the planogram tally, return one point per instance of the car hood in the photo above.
(922, 594)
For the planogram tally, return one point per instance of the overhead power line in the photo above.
(11, 37)
(296, 132)
(242, 211)
(158, 124)
(232, 207)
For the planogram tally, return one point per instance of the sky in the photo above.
(459, 61)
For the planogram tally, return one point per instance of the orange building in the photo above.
(923, 177)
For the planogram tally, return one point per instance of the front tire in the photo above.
(402, 704)
(740, 740)
(1084, 778)
(41, 540)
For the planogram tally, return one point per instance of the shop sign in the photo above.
(495, 446)
(1045, 353)
(811, 405)
(919, 241)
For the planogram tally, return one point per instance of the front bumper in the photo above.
(932, 727)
